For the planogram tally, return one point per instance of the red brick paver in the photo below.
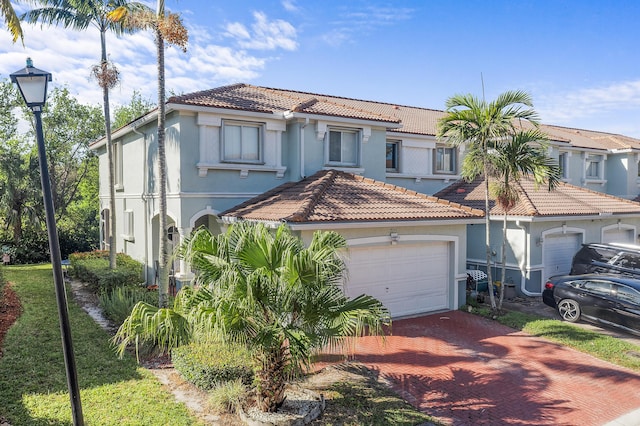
(467, 370)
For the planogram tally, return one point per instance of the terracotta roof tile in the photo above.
(564, 200)
(336, 196)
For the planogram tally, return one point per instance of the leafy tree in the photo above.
(11, 19)
(166, 27)
(481, 125)
(266, 290)
(79, 14)
(136, 107)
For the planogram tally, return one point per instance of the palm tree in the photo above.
(165, 27)
(479, 125)
(11, 19)
(78, 15)
(266, 290)
(525, 154)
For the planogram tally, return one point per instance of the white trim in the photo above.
(205, 212)
(382, 224)
(243, 168)
(619, 227)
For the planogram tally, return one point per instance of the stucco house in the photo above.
(231, 144)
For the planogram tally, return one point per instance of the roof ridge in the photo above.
(305, 104)
(220, 89)
(318, 191)
(262, 196)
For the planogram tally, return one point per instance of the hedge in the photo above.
(93, 269)
(208, 365)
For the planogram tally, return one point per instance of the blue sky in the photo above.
(578, 59)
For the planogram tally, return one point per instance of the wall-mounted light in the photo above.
(394, 238)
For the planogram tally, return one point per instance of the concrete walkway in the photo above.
(467, 370)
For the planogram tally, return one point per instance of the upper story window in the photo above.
(393, 151)
(343, 147)
(242, 142)
(445, 160)
(563, 164)
(594, 166)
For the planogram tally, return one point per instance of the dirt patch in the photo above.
(10, 310)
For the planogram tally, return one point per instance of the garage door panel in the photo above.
(558, 253)
(407, 279)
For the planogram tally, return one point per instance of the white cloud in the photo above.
(290, 5)
(264, 34)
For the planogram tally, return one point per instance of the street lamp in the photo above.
(32, 83)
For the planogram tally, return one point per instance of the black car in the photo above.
(607, 258)
(607, 298)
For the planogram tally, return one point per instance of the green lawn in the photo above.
(33, 388)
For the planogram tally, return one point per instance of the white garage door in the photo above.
(619, 236)
(558, 253)
(407, 278)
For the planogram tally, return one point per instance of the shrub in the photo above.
(93, 269)
(207, 365)
(228, 397)
(118, 302)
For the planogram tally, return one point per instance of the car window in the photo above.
(628, 294)
(628, 260)
(597, 287)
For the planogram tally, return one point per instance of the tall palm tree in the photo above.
(11, 19)
(479, 125)
(79, 15)
(266, 290)
(167, 27)
(524, 154)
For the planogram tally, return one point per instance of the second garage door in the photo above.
(408, 279)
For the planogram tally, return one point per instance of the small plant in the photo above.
(117, 303)
(93, 269)
(228, 397)
(208, 365)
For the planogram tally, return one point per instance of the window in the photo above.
(593, 167)
(602, 288)
(445, 160)
(627, 294)
(343, 147)
(241, 142)
(128, 234)
(393, 148)
(563, 164)
(117, 165)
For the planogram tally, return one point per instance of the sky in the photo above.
(578, 59)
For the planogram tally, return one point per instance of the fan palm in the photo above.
(479, 125)
(11, 19)
(79, 15)
(266, 290)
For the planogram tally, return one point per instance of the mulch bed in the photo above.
(10, 310)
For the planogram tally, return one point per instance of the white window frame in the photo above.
(128, 234)
(358, 146)
(589, 161)
(118, 166)
(454, 151)
(396, 143)
(563, 163)
(241, 124)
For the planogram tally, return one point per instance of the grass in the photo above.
(601, 346)
(366, 401)
(32, 370)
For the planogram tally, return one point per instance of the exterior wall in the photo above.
(622, 175)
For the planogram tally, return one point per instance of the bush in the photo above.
(228, 397)
(207, 365)
(117, 303)
(93, 269)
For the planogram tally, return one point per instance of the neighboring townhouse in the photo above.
(230, 144)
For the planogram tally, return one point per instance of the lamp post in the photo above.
(32, 83)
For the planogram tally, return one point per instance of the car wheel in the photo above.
(569, 310)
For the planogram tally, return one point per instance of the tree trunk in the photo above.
(504, 260)
(163, 285)
(271, 379)
(488, 234)
(111, 171)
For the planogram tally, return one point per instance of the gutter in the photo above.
(525, 261)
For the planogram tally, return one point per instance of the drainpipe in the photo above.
(302, 172)
(525, 262)
(145, 201)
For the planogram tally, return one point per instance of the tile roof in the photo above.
(413, 120)
(564, 200)
(336, 196)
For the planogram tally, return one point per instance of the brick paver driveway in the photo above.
(467, 370)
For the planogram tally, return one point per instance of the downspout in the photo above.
(302, 172)
(145, 201)
(525, 261)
